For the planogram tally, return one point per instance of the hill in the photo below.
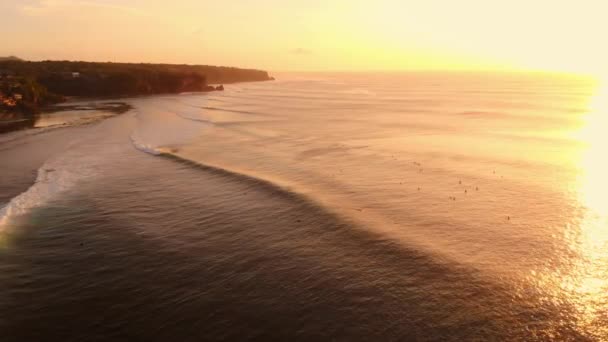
(10, 58)
(40, 83)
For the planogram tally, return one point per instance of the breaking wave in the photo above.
(55, 176)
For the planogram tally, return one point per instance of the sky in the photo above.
(315, 35)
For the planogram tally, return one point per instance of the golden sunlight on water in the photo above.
(587, 282)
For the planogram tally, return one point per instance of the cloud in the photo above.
(301, 51)
(43, 7)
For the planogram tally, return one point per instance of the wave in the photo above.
(147, 148)
(274, 188)
(219, 109)
(194, 119)
(52, 178)
(358, 91)
(169, 153)
(59, 173)
(235, 111)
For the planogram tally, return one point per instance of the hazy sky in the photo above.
(282, 35)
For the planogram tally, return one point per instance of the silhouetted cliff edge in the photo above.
(54, 80)
(103, 79)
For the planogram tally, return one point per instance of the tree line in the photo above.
(122, 79)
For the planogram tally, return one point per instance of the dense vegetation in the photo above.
(46, 82)
(118, 79)
(24, 94)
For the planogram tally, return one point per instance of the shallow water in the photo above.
(332, 207)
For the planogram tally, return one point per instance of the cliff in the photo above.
(126, 79)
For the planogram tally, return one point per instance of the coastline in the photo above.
(18, 121)
(29, 88)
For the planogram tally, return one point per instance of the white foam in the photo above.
(147, 148)
(82, 159)
(55, 176)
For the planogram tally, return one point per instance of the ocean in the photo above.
(338, 207)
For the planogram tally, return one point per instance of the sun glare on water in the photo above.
(594, 164)
(586, 284)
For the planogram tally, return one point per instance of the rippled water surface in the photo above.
(316, 207)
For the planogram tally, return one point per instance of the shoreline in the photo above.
(17, 121)
(31, 87)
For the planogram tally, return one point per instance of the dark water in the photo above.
(319, 207)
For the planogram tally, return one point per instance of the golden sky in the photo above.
(322, 35)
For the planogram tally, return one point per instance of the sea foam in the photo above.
(54, 176)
